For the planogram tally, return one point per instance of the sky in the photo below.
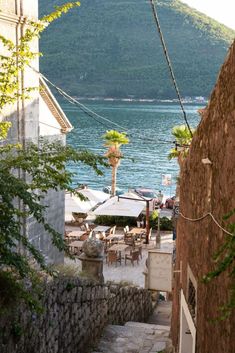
(221, 10)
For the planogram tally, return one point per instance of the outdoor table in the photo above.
(76, 246)
(112, 237)
(118, 247)
(137, 231)
(101, 229)
(115, 236)
(74, 235)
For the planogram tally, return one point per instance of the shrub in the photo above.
(154, 219)
(165, 223)
(116, 220)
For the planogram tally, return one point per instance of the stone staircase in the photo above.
(137, 337)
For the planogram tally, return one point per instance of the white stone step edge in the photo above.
(147, 326)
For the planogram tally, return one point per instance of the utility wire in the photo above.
(92, 114)
(155, 15)
(82, 106)
(96, 116)
(204, 216)
(183, 110)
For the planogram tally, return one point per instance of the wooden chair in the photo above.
(66, 237)
(113, 256)
(140, 251)
(90, 234)
(112, 230)
(106, 246)
(92, 226)
(84, 236)
(75, 250)
(87, 227)
(127, 232)
(134, 256)
(143, 235)
(129, 241)
(100, 235)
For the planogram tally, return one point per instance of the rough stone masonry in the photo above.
(75, 313)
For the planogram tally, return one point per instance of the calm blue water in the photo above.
(150, 120)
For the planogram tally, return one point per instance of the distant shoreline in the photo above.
(186, 100)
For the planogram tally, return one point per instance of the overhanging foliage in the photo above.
(27, 173)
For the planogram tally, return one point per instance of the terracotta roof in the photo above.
(54, 107)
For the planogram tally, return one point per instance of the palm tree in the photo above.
(114, 140)
(183, 140)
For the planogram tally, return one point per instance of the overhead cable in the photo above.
(82, 106)
(155, 15)
(204, 216)
(96, 116)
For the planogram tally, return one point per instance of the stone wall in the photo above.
(40, 238)
(208, 188)
(55, 203)
(75, 313)
(127, 303)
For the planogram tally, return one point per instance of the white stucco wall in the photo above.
(20, 7)
(24, 116)
(29, 8)
(8, 6)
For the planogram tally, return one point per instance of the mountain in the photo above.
(111, 48)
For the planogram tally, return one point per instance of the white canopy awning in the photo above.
(121, 207)
(74, 204)
(94, 195)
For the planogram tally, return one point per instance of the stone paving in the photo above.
(134, 337)
(162, 314)
(134, 273)
(138, 337)
(129, 273)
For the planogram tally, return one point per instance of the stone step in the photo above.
(133, 337)
(147, 326)
(162, 314)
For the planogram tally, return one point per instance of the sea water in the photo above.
(145, 161)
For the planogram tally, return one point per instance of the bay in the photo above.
(145, 157)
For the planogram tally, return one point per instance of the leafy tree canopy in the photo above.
(114, 140)
(113, 137)
(183, 140)
(27, 173)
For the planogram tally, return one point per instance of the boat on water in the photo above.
(108, 189)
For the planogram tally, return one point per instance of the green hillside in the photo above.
(111, 48)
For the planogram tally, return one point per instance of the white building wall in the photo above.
(24, 116)
(8, 6)
(20, 7)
